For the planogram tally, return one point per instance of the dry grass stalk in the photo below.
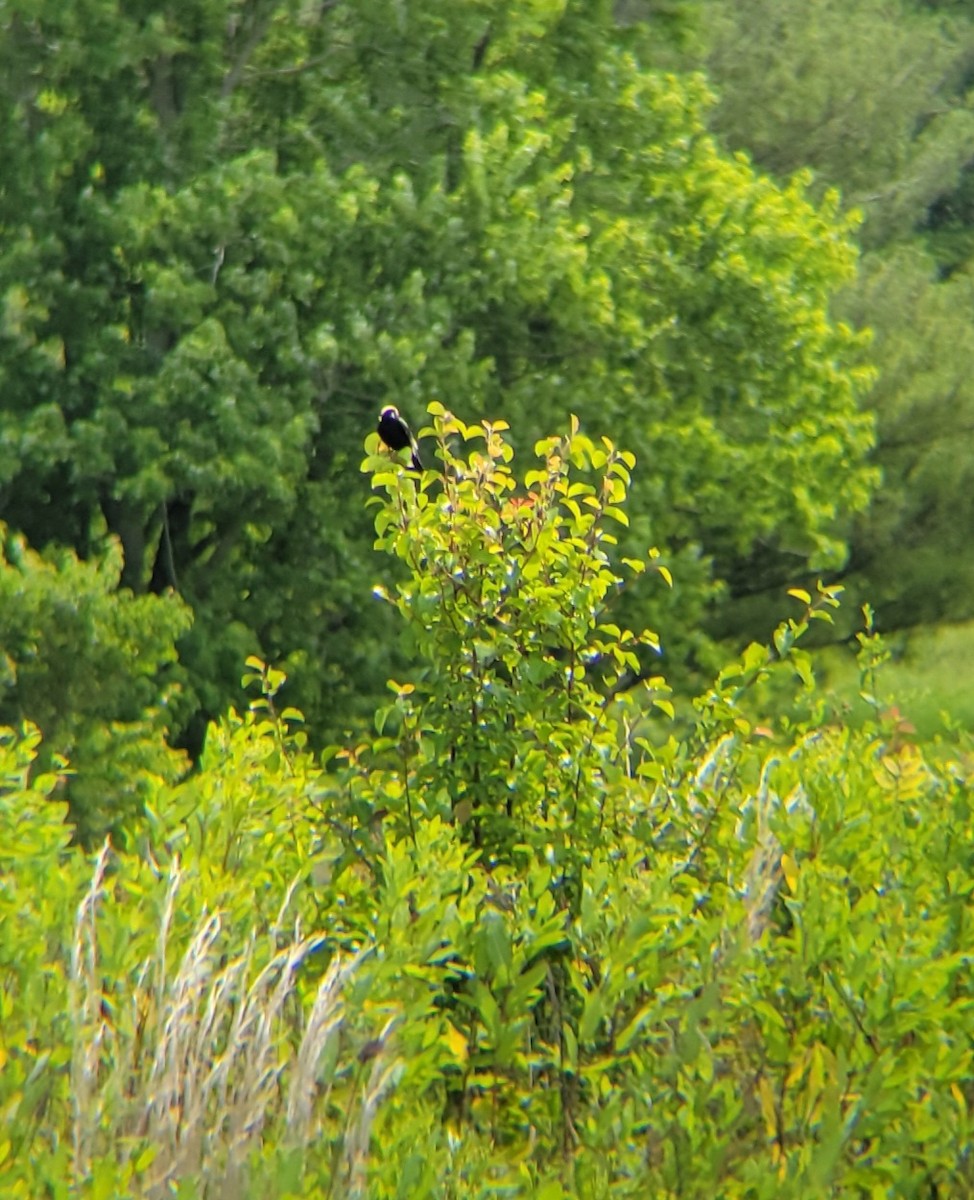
(87, 1013)
(322, 1026)
(212, 1054)
(383, 1076)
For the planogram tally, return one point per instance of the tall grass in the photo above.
(212, 1051)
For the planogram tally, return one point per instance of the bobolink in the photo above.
(397, 435)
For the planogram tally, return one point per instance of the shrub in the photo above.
(94, 668)
(535, 938)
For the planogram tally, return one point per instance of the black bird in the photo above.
(397, 435)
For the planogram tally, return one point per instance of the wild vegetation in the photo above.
(523, 940)
(233, 234)
(529, 856)
(875, 98)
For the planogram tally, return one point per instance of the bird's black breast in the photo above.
(394, 431)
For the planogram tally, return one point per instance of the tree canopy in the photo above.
(230, 233)
(94, 668)
(874, 97)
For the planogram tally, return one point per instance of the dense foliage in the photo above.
(521, 920)
(875, 97)
(93, 667)
(872, 95)
(231, 231)
(590, 959)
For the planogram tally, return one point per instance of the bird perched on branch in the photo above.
(397, 435)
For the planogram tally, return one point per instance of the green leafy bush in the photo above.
(94, 667)
(534, 938)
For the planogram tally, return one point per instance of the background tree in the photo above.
(911, 554)
(871, 95)
(94, 667)
(234, 232)
(874, 97)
